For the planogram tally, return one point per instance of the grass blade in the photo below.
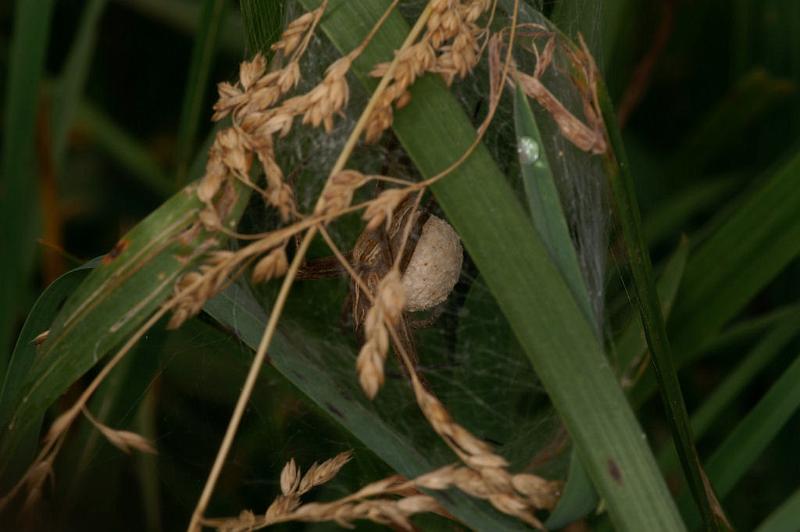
(205, 45)
(627, 210)
(578, 499)
(674, 213)
(734, 384)
(723, 274)
(110, 304)
(125, 150)
(598, 21)
(785, 517)
(548, 218)
(68, 89)
(734, 457)
(545, 317)
(544, 201)
(19, 219)
(750, 98)
(184, 16)
(41, 316)
(631, 345)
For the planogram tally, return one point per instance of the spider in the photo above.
(430, 264)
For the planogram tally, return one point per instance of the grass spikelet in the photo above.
(123, 440)
(385, 311)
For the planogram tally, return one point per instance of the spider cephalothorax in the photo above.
(430, 263)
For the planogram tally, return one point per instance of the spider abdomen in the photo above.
(435, 266)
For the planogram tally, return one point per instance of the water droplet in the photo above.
(528, 150)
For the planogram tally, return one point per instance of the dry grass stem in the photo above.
(589, 136)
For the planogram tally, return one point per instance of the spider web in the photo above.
(469, 356)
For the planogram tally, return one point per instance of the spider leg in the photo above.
(322, 268)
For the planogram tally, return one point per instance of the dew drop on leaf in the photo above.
(528, 150)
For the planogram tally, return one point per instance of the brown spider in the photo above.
(372, 258)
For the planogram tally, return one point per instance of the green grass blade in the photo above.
(110, 304)
(546, 319)
(735, 383)
(766, 350)
(184, 16)
(68, 89)
(19, 220)
(627, 210)
(205, 46)
(577, 500)
(748, 328)
(631, 345)
(736, 262)
(147, 465)
(550, 222)
(750, 98)
(583, 17)
(734, 457)
(544, 201)
(785, 518)
(41, 316)
(124, 149)
(674, 213)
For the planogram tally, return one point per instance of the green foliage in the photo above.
(109, 127)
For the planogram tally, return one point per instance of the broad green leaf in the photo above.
(205, 46)
(785, 518)
(543, 314)
(19, 211)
